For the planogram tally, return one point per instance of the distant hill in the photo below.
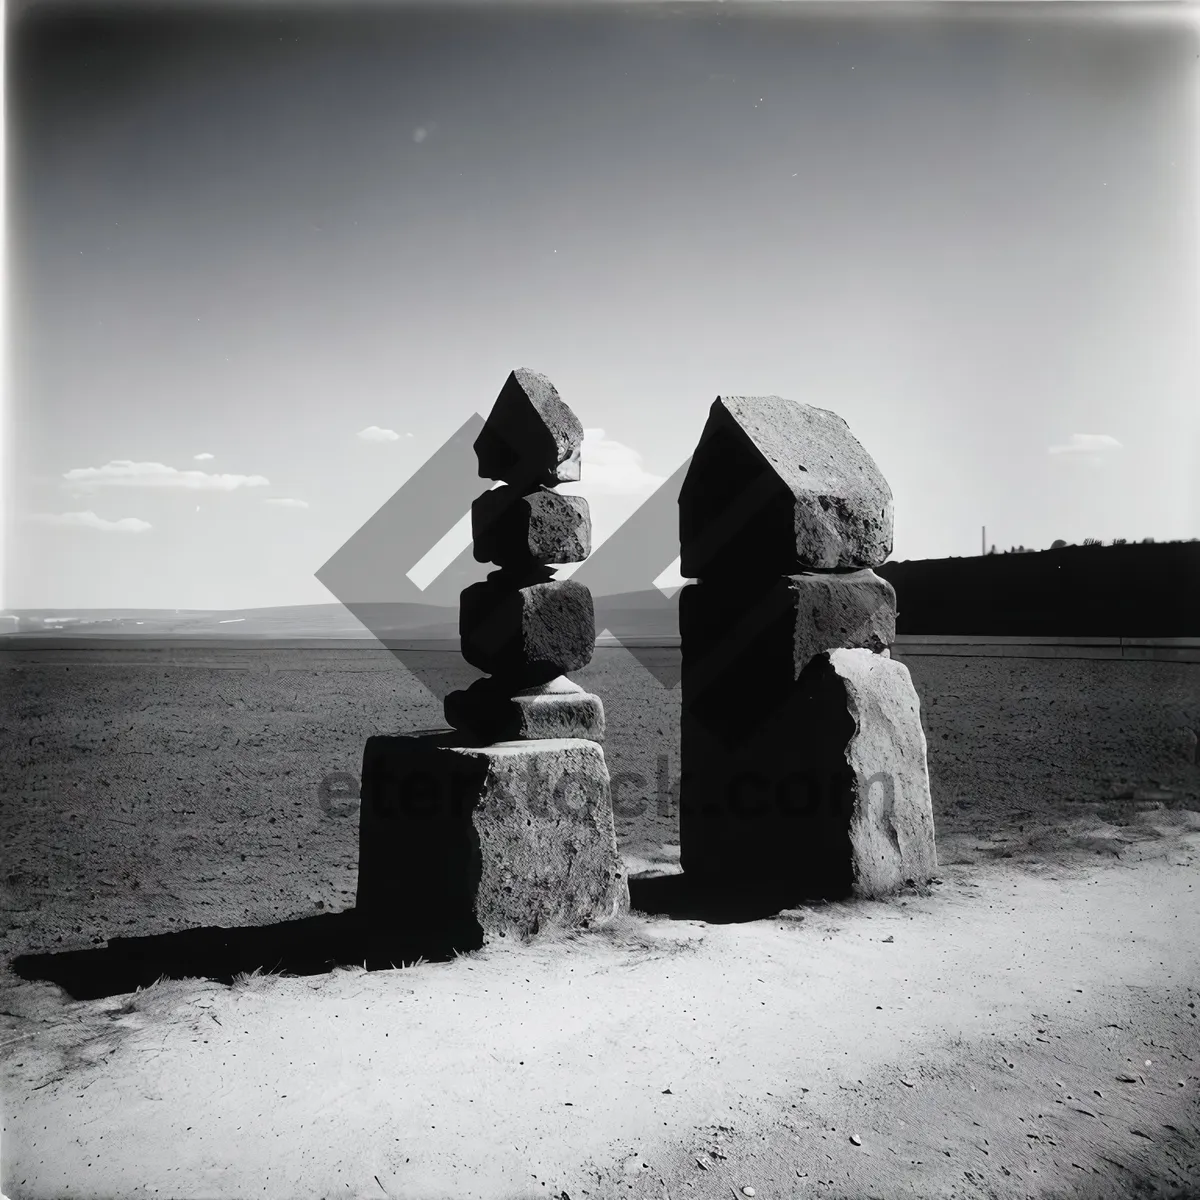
(638, 614)
(330, 621)
(1133, 590)
(1137, 590)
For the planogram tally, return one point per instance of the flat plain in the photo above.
(147, 792)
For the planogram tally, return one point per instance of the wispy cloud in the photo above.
(373, 433)
(609, 467)
(1088, 444)
(124, 473)
(287, 502)
(204, 456)
(89, 520)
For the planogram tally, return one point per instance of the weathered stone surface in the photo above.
(467, 843)
(543, 526)
(755, 640)
(530, 634)
(744, 646)
(828, 796)
(777, 487)
(530, 437)
(891, 827)
(490, 711)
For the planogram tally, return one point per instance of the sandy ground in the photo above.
(140, 797)
(1018, 1029)
(146, 798)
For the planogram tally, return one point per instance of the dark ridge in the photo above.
(1134, 590)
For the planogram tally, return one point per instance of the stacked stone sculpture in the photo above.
(520, 625)
(803, 758)
(503, 825)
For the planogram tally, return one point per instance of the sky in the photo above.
(264, 260)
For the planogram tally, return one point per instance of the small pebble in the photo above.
(747, 1191)
(855, 1140)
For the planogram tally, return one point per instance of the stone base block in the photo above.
(755, 639)
(489, 711)
(459, 844)
(829, 797)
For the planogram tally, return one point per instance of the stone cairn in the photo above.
(503, 825)
(803, 758)
(521, 626)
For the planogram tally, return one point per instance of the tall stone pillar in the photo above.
(803, 757)
(503, 824)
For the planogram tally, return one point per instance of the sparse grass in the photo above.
(247, 980)
(627, 931)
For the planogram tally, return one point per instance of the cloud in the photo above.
(287, 502)
(611, 468)
(373, 433)
(203, 457)
(420, 134)
(1088, 444)
(124, 473)
(89, 520)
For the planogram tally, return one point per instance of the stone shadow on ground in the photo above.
(682, 897)
(308, 946)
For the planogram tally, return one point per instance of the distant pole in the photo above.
(983, 541)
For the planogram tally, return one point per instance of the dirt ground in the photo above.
(978, 1052)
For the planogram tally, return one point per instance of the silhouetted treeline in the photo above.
(1135, 590)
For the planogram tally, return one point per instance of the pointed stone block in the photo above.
(543, 526)
(461, 844)
(776, 487)
(827, 798)
(527, 634)
(530, 437)
(745, 645)
(490, 711)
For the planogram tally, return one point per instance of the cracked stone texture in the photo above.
(529, 634)
(776, 487)
(755, 641)
(891, 825)
(543, 526)
(530, 437)
(828, 795)
(483, 842)
(490, 711)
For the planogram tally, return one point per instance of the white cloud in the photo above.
(89, 520)
(1088, 443)
(373, 433)
(203, 457)
(611, 468)
(124, 473)
(287, 502)
(420, 134)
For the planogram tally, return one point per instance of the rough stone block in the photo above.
(461, 844)
(828, 797)
(543, 526)
(777, 487)
(745, 645)
(527, 634)
(490, 711)
(530, 437)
